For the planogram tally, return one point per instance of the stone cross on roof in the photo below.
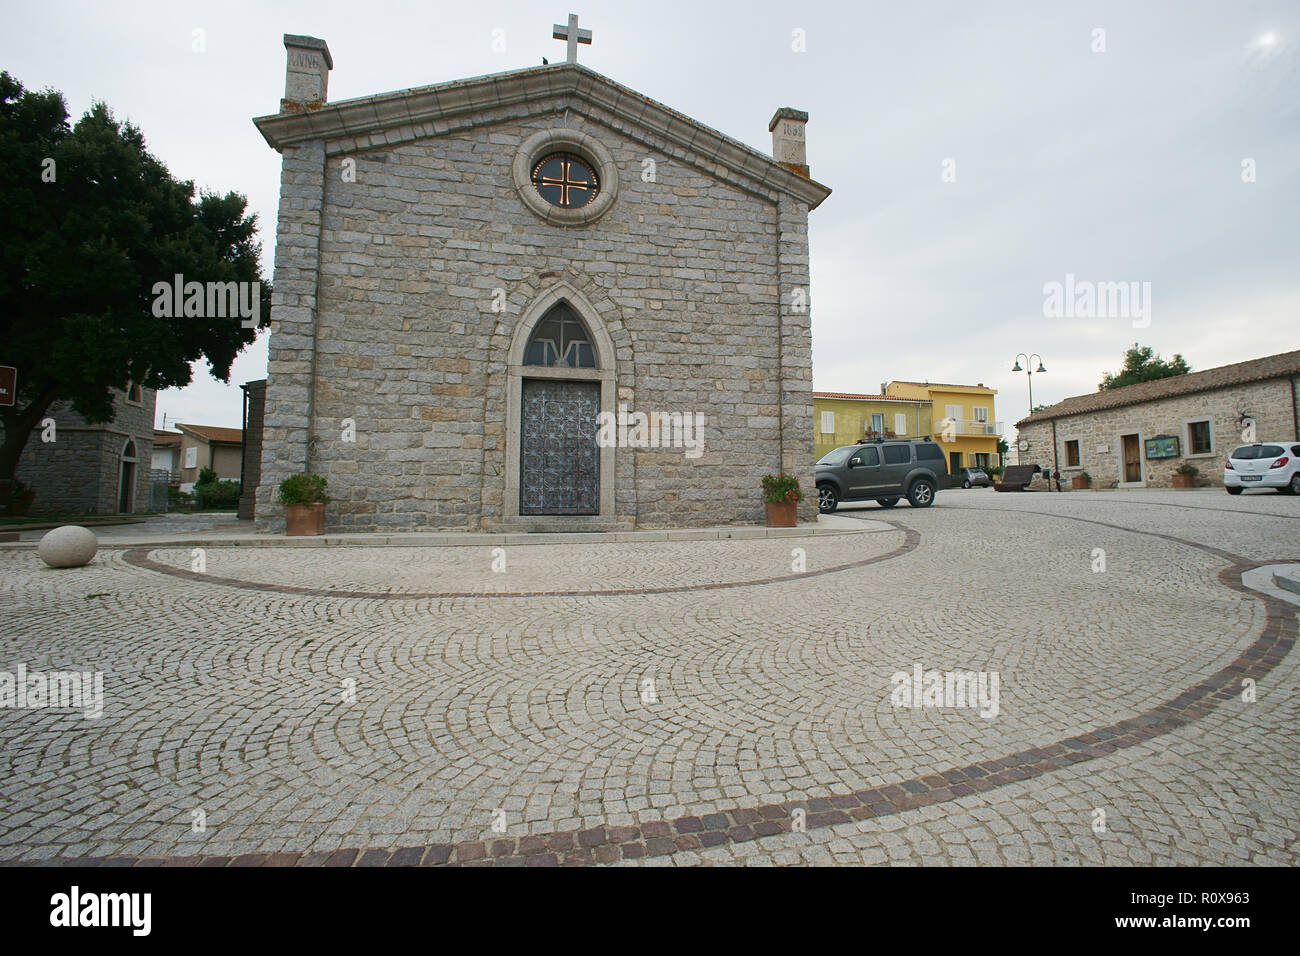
(573, 35)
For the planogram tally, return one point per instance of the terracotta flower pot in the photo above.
(300, 520)
(1183, 481)
(781, 514)
(1078, 483)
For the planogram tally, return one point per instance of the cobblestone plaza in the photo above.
(643, 700)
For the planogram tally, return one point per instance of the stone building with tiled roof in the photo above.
(82, 467)
(1139, 435)
(471, 277)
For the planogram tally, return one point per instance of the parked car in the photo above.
(885, 470)
(972, 478)
(1263, 465)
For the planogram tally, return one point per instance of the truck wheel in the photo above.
(827, 499)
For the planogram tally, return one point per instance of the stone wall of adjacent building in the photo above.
(252, 464)
(1270, 403)
(79, 472)
(693, 278)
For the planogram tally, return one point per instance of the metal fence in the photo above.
(159, 481)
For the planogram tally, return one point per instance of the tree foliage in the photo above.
(91, 221)
(1141, 364)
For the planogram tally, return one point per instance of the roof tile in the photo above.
(1255, 370)
(213, 432)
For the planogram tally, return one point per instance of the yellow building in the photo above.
(842, 418)
(964, 422)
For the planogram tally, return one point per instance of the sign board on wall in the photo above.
(8, 385)
(1162, 446)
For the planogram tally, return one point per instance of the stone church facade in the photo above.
(474, 279)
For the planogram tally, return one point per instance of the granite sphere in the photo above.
(70, 546)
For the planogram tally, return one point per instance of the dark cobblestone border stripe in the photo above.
(139, 557)
(1159, 504)
(738, 825)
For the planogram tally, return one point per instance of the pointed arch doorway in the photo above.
(560, 379)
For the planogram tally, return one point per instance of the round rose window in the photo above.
(565, 180)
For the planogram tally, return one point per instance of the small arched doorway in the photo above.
(560, 379)
(559, 462)
(126, 479)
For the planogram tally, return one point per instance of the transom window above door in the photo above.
(560, 340)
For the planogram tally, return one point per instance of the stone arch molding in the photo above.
(605, 372)
(582, 291)
(556, 293)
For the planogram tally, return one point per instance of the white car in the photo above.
(1263, 465)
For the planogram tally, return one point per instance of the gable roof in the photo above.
(163, 438)
(213, 433)
(1256, 370)
(873, 398)
(427, 111)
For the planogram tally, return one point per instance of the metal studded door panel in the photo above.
(559, 461)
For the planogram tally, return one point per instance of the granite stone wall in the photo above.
(79, 471)
(1270, 403)
(427, 261)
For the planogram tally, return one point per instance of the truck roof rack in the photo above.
(876, 441)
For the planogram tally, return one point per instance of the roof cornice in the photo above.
(446, 102)
(847, 397)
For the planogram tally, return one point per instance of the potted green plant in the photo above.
(1080, 481)
(1185, 475)
(781, 497)
(304, 499)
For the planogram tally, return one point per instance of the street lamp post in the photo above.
(1029, 360)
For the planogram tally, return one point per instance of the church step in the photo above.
(553, 524)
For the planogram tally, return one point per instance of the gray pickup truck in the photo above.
(884, 470)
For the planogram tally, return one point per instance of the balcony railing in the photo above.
(959, 426)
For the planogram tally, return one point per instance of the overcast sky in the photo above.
(1117, 166)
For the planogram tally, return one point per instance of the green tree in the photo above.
(1141, 364)
(91, 221)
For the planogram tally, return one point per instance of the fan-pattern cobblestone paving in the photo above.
(675, 703)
